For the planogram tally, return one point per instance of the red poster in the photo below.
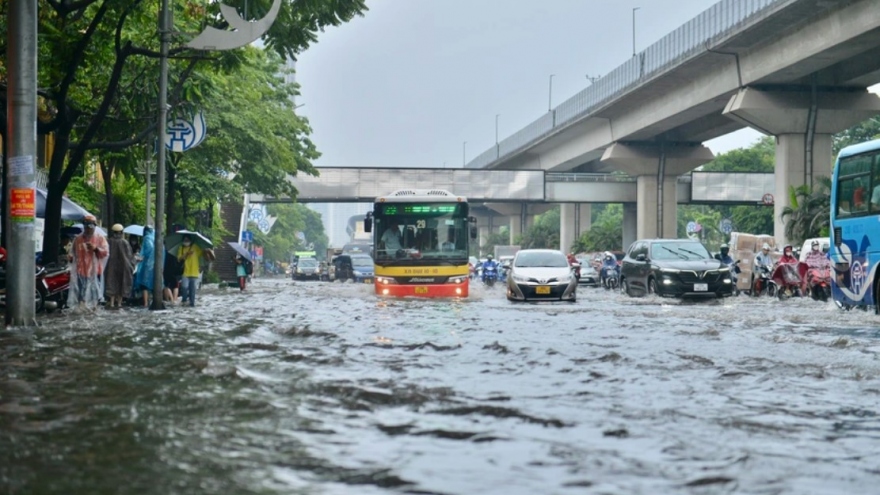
(22, 204)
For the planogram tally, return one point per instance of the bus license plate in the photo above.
(421, 289)
(542, 289)
(701, 287)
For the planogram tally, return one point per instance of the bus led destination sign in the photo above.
(418, 209)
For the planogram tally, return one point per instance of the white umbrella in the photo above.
(135, 229)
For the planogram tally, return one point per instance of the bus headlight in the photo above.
(457, 280)
(386, 280)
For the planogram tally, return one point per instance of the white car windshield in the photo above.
(362, 262)
(308, 263)
(540, 260)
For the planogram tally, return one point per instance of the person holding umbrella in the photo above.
(189, 253)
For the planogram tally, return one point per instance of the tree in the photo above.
(860, 133)
(500, 238)
(606, 231)
(544, 234)
(810, 211)
(98, 68)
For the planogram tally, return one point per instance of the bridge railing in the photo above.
(601, 177)
(721, 20)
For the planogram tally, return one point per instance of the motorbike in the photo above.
(490, 275)
(763, 284)
(818, 282)
(610, 278)
(54, 284)
(788, 280)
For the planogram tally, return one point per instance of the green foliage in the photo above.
(758, 158)
(129, 201)
(211, 277)
(863, 132)
(810, 212)
(85, 195)
(606, 231)
(500, 238)
(544, 234)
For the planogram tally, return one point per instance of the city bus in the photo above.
(855, 226)
(420, 243)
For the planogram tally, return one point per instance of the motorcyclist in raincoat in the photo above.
(488, 263)
(609, 268)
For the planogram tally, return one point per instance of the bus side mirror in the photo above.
(473, 227)
(368, 222)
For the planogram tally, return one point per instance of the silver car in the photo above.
(307, 268)
(541, 275)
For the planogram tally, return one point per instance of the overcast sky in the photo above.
(411, 81)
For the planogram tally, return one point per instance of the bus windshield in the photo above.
(410, 231)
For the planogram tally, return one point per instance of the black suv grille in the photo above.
(689, 277)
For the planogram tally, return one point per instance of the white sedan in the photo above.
(541, 274)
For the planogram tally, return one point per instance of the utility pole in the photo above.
(148, 180)
(464, 153)
(164, 35)
(21, 107)
(634, 29)
(550, 96)
(496, 128)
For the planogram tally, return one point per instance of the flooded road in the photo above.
(317, 388)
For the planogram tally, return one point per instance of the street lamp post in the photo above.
(463, 153)
(496, 128)
(550, 95)
(634, 29)
(164, 39)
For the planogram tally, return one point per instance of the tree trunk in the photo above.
(107, 174)
(55, 187)
(171, 175)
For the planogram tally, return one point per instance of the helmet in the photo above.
(766, 247)
(488, 256)
(117, 227)
(814, 243)
(89, 218)
(787, 247)
(725, 248)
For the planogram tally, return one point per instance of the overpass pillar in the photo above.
(630, 212)
(803, 122)
(567, 226)
(515, 229)
(483, 232)
(584, 219)
(656, 167)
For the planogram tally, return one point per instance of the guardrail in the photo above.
(599, 177)
(721, 20)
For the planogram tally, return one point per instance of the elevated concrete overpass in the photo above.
(517, 195)
(795, 69)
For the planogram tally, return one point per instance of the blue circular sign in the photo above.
(726, 226)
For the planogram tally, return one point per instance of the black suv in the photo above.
(674, 267)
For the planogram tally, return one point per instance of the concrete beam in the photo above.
(644, 158)
(788, 112)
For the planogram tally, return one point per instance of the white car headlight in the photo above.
(519, 278)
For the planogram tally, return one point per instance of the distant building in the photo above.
(336, 217)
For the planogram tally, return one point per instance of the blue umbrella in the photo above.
(137, 230)
(240, 250)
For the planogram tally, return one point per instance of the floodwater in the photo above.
(318, 388)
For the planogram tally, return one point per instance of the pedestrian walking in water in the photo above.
(120, 266)
(171, 274)
(190, 255)
(89, 257)
(144, 280)
(241, 271)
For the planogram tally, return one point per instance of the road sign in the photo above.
(726, 226)
(185, 132)
(691, 227)
(767, 199)
(255, 215)
(247, 236)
